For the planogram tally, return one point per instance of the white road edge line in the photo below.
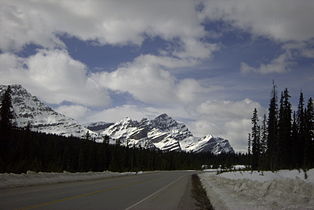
(154, 193)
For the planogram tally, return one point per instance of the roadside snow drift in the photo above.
(8, 180)
(245, 190)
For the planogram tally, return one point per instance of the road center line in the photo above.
(154, 193)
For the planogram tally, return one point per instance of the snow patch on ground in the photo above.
(245, 190)
(8, 180)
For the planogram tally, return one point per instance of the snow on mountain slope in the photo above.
(133, 133)
(177, 130)
(208, 143)
(29, 109)
(166, 134)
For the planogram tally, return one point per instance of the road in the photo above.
(157, 190)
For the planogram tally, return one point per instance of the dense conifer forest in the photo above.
(23, 150)
(284, 139)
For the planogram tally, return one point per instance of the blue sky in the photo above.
(207, 63)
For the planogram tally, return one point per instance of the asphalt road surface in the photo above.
(157, 190)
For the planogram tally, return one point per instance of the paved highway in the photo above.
(157, 190)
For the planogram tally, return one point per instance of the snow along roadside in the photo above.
(245, 190)
(8, 180)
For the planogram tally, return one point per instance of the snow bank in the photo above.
(268, 175)
(245, 190)
(32, 178)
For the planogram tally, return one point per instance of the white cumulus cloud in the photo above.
(281, 64)
(53, 76)
(76, 112)
(147, 80)
(278, 19)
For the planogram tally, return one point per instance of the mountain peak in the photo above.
(29, 109)
(162, 116)
(163, 121)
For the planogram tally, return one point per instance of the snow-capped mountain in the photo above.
(162, 133)
(164, 123)
(208, 143)
(166, 134)
(146, 133)
(29, 109)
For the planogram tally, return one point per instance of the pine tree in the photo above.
(294, 142)
(272, 130)
(6, 110)
(300, 112)
(309, 119)
(264, 136)
(255, 141)
(284, 131)
(301, 132)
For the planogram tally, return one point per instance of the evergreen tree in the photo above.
(294, 142)
(264, 136)
(6, 110)
(284, 131)
(255, 141)
(308, 150)
(300, 112)
(272, 130)
(301, 132)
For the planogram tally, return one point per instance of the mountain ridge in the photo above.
(161, 133)
(166, 134)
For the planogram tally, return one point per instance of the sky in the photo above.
(207, 63)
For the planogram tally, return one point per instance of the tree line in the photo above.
(22, 149)
(284, 139)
